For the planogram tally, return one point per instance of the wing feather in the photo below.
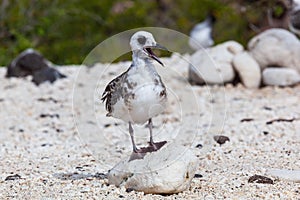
(111, 93)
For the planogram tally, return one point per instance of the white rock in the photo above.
(214, 66)
(248, 70)
(290, 175)
(276, 47)
(168, 170)
(280, 76)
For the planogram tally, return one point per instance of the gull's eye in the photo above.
(142, 40)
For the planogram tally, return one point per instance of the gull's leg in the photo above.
(154, 146)
(135, 149)
(150, 126)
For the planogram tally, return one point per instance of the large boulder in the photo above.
(276, 47)
(247, 69)
(166, 171)
(214, 66)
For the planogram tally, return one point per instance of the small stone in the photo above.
(280, 76)
(221, 139)
(260, 179)
(46, 144)
(166, 171)
(107, 125)
(198, 176)
(247, 120)
(267, 108)
(247, 69)
(49, 115)
(13, 177)
(128, 190)
(199, 146)
(265, 132)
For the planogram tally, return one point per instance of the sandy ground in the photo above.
(58, 140)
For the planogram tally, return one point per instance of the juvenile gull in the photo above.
(138, 94)
(201, 34)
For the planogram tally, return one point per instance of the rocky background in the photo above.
(271, 58)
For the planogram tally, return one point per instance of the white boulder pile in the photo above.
(166, 171)
(277, 48)
(272, 58)
(213, 66)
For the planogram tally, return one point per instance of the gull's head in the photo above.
(143, 42)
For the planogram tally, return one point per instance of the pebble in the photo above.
(260, 179)
(221, 139)
(13, 177)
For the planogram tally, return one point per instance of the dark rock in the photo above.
(267, 108)
(26, 63)
(280, 120)
(46, 144)
(198, 176)
(265, 132)
(129, 190)
(221, 139)
(13, 177)
(49, 115)
(247, 120)
(99, 175)
(31, 62)
(260, 179)
(47, 99)
(46, 74)
(107, 125)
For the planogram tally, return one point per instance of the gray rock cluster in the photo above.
(272, 58)
(31, 62)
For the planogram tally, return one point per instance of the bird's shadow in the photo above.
(78, 176)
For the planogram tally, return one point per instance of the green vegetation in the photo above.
(65, 31)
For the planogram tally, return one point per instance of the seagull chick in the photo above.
(201, 34)
(138, 94)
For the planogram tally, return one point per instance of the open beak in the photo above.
(148, 50)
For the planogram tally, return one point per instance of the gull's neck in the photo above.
(140, 60)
